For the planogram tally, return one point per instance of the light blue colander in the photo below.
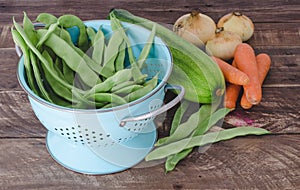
(102, 141)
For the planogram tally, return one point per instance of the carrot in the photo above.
(246, 61)
(245, 103)
(231, 74)
(263, 64)
(232, 93)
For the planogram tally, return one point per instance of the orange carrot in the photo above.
(246, 61)
(232, 93)
(231, 74)
(245, 103)
(263, 64)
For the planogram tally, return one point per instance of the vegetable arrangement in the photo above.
(228, 44)
(194, 132)
(88, 72)
(59, 70)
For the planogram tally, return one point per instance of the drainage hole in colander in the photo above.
(55, 129)
(62, 134)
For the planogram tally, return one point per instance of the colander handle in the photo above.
(160, 110)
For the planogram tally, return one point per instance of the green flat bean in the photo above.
(62, 49)
(29, 29)
(201, 140)
(68, 73)
(186, 128)
(117, 26)
(39, 55)
(120, 59)
(178, 116)
(204, 126)
(38, 77)
(84, 103)
(46, 19)
(90, 62)
(51, 29)
(122, 85)
(108, 97)
(98, 45)
(174, 159)
(69, 21)
(57, 66)
(56, 87)
(91, 34)
(28, 69)
(149, 86)
(119, 77)
(111, 53)
(128, 89)
(147, 47)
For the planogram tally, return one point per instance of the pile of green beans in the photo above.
(87, 74)
(194, 132)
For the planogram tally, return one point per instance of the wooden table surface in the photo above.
(252, 162)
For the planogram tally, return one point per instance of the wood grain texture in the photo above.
(162, 11)
(225, 165)
(278, 112)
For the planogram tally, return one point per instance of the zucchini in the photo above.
(193, 69)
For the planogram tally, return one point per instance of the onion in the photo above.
(223, 44)
(238, 23)
(195, 27)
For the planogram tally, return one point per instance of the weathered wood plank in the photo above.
(166, 11)
(26, 164)
(278, 112)
(265, 34)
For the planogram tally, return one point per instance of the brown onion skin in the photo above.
(237, 23)
(223, 44)
(195, 27)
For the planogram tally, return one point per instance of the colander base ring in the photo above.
(80, 158)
